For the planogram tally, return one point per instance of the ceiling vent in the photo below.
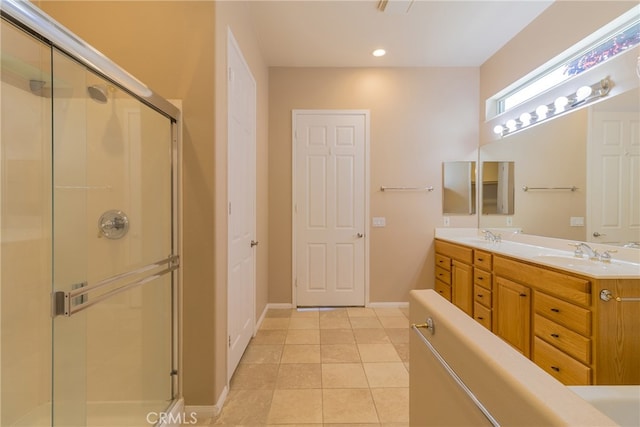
(395, 7)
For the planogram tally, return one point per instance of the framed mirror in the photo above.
(459, 188)
(498, 188)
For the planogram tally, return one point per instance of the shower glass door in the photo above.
(25, 229)
(112, 253)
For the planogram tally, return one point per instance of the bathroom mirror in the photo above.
(557, 163)
(459, 188)
(497, 188)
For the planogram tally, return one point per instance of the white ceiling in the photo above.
(343, 33)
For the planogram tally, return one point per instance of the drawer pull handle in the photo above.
(480, 259)
(555, 368)
(480, 278)
(480, 318)
(480, 295)
(523, 295)
(555, 335)
(555, 310)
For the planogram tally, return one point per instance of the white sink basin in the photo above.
(588, 265)
(569, 261)
(620, 403)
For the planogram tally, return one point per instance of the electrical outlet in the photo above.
(446, 221)
(509, 221)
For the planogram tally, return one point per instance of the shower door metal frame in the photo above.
(32, 20)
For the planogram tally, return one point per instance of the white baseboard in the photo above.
(208, 411)
(280, 305)
(388, 305)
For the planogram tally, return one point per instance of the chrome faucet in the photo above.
(582, 248)
(488, 235)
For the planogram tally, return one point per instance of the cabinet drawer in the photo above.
(566, 340)
(482, 278)
(482, 314)
(573, 317)
(443, 289)
(560, 365)
(443, 262)
(444, 275)
(482, 259)
(451, 250)
(482, 296)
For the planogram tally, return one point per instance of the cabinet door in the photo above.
(512, 314)
(462, 286)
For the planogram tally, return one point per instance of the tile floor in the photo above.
(323, 367)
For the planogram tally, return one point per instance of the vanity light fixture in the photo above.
(562, 104)
(379, 52)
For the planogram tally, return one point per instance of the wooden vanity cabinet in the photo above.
(559, 318)
(553, 317)
(459, 277)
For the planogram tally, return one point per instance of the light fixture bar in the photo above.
(561, 105)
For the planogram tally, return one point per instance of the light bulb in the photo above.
(511, 125)
(583, 93)
(542, 111)
(379, 52)
(560, 103)
(525, 118)
(498, 129)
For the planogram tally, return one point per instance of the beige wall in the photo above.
(562, 25)
(420, 117)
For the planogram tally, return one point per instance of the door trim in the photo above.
(367, 186)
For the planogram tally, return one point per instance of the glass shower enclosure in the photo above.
(88, 228)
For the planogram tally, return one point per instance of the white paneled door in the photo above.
(330, 207)
(614, 178)
(241, 210)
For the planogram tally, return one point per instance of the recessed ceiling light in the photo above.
(379, 52)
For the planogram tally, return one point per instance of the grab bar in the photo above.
(572, 188)
(62, 301)
(455, 376)
(385, 188)
(607, 295)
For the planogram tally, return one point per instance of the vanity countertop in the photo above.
(550, 252)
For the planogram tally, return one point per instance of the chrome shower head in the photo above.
(98, 93)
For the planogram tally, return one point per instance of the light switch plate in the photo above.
(576, 221)
(379, 221)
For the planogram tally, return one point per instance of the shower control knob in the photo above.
(113, 224)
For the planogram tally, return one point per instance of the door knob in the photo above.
(254, 243)
(360, 235)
